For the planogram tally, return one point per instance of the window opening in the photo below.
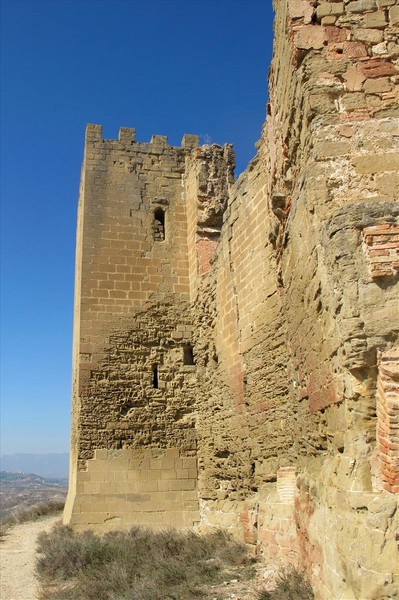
(159, 225)
(188, 355)
(155, 376)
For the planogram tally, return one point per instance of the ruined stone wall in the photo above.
(340, 315)
(243, 425)
(297, 322)
(259, 339)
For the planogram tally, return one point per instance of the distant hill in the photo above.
(22, 490)
(45, 465)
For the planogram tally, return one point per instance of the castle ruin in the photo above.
(236, 354)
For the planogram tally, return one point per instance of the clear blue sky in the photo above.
(163, 66)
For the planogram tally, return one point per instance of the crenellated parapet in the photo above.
(127, 135)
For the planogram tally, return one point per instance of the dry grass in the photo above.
(290, 585)
(32, 513)
(136, 565)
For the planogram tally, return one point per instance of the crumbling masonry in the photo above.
(236, 357)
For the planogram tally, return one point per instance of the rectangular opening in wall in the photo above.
(155, 376)
(188, 355)
(159, 225)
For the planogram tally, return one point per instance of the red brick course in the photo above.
(388, 420)
(382, 248)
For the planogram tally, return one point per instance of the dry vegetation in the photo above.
(21, 491)
(145, 565)
(290, 585)
(31, 513)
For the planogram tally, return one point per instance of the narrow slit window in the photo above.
(155, 376)
(159, 225)
(188, 355)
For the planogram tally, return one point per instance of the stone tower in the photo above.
(133, 358)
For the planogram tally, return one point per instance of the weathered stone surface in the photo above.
(359, 6)
(310, 36)
(375, 19)
(394, 15)
(235, 353)
(372, 36)
(378, 68)
(374, 163)
(300, 9)
(377, 86)
(354, 79)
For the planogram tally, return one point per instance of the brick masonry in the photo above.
(388, 420)
(382, 247)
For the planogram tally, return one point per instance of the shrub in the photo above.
(31, 513)
(290, 585)
(134, 565)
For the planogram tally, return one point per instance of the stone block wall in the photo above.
(125, 488)
(292, 316)
(252, 326)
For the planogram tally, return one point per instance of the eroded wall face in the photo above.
(297, 322)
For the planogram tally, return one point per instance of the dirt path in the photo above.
(17, 560)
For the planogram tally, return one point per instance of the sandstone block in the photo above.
(354, 79)
(336, 34)
(329, 20)
(330, 149)
(300, 9)
(394, 15)
(375, 19)
(377, 86)
(371, 36)
(127, 134)
(353, 50)
(310, 36)
(94, 133)
(378, 68)
(190, 141)
(101, 454)
(375, 163)
(354, 101)
(189, 462)
(182, 474)
(172, 453)
(161, 140)
(387, 184)
(330, 8)
(359, 6)
(380, 49)
(188, 484)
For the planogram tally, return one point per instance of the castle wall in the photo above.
(299, 315)
(340, 315)
(284, 285)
